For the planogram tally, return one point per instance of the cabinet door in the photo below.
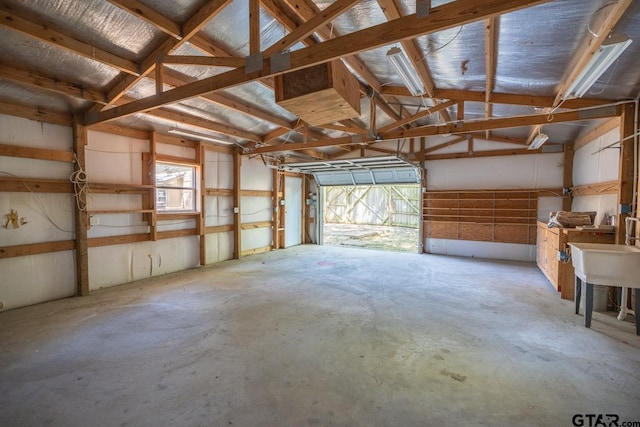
(553, 241)
(541, 248)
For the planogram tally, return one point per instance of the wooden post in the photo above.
(276, 208)
(567, 177)
(237, 231)
(81, 218)
(202, 226)
(303, 210)
(151, 180)
(625, 176)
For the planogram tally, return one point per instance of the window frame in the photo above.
(194, 188)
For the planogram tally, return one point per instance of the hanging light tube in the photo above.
(537, 142)
(406, 71)
(600, 61)
(199, 136)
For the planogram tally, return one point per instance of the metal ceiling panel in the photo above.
(360, 171)
(24, 52)
(97, 22)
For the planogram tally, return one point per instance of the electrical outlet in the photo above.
(94, 220)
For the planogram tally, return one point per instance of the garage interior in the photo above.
(161, 170)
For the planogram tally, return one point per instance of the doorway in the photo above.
(292, 211)
(385, 217)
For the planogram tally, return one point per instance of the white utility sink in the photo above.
(606, 265)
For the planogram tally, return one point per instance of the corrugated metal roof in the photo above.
(536, 46)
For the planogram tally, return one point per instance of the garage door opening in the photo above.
(385, 217)
(371, 202)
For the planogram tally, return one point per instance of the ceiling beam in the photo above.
(446, 16)
(302, 31)
(427, 112)
(501, 98)
(254, 26)
(297, 146)
(506, 122)
(445, 144)
(36, 113)
(49, 83)
(608, 18)
(189, 119)
(47, 33)
(487, 153)
(144, 12)
(208, 61)
(414, 53)
(189, 29)
(490, 62)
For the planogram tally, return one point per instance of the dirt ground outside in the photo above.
(401, 239)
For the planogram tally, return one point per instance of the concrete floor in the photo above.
(319, 336)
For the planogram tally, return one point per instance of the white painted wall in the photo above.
(32, 279)
(255, 176)
(116, 159)
(218, 173)
(592, 165)
(495, 173)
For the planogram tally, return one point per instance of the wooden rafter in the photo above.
(158, 20)
(49, 83)
(311, 25)
(38, 114)
(414, 53)
(608, 19)
(254, 26)
(505, 122)
(189, 29)
(208, 61)
(446, 16)
(417, 116)
(56, 37)
(502, 98)
(175, 78)
(490, 62)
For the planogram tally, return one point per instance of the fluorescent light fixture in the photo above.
(600, 61)
(406, 71)
(537, 142)
(199, 136)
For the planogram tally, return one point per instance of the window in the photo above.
(175, 187)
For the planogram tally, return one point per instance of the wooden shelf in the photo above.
(119, 188)
(494, 216)
(119, 211)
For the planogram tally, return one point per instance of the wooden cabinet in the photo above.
(550, 241)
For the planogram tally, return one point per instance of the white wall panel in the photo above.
(118, 264)
(219, 247)
(254, 175)
(30, 133)
(49, 217)
(506, 251)
(114, 159)
(504, 173)
(34, 279)
(591, 165)
(255, 238)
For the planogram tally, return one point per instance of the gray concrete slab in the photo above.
(319, 336)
